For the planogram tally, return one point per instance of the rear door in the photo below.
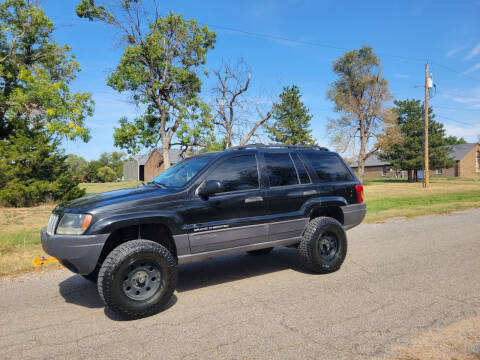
(289, 187)
(234, 217)
(332, 174)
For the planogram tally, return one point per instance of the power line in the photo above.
(454, 108)
(457, 121)
(330, 46)
(462, 73)
(302, 42)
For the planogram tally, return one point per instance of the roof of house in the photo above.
(457, 152)
(371, 161)
(175, 156)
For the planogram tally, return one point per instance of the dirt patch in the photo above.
(459, 341)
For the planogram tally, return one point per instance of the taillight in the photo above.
(360, 194)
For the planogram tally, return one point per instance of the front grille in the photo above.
(52, 224)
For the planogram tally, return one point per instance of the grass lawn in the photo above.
(386, 198)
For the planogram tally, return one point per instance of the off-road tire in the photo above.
(260, 252)
(308, 248)
(119, 261)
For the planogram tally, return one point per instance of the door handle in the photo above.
(253, 199)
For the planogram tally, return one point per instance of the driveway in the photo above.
(400, 280)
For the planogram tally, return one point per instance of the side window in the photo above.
(302, 172)
(328, 167)
(237, 173)
(280, 169)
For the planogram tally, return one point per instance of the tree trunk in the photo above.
(361, 157)
(410, 175)
(166, 156)
(415, 173)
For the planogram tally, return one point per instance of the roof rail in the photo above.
(279, 146)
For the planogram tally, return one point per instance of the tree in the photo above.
(106, 174)
(292, 119)
(407, 154)
(360, 93)
(113, 160)
(35, 74)
(78, 166)
(453, 140)
(233, 110)
(33, 170)
(160, 68)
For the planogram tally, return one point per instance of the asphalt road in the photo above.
(400, 279)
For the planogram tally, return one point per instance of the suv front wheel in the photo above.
(137, 278)
(324, 245)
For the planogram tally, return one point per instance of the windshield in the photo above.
(181, 173)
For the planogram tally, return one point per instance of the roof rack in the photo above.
(279, 146)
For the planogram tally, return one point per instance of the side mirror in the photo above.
(209, 188)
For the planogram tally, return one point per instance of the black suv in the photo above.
(245, 199)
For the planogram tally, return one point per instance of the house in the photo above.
(145, 167)
(466, 156)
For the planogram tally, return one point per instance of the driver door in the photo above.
(233, 217)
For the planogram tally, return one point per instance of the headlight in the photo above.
(73, 224)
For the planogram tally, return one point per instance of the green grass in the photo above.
(94, 188)
(385, 198)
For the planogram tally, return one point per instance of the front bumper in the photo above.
(353, 215)
(78, 253)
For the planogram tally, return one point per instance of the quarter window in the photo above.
(237, 173)
(280, 169)
(328, 167)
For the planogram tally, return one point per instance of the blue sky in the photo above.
(404, 34)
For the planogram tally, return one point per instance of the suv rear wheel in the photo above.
(324, 245)
(137, 278)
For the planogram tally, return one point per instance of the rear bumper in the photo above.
(77, 253)
(353, 215)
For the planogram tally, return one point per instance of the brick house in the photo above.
(466, 156)
(145, 167)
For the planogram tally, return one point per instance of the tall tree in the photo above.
(160, 68)
(78, 165)
(35, 74)
(360, 93)
(407, 154)
(292, 119)
(232, 108)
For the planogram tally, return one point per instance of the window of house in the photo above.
(384, 171)
(280, 169)
(237, 173)
(439, 171)
(328, 167)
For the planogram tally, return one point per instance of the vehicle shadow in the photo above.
(235, 267)
(76, 290)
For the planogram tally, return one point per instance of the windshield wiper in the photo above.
(160, 184)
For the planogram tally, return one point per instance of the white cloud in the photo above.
(472, 69)
(453, 51)
(469, 133)
(472, 100)
(474, 52)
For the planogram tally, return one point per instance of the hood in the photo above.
(111, 198)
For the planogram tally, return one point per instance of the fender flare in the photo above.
(111, 223)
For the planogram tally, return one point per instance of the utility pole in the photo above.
(426, 175)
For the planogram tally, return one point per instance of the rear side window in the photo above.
(280, 169)
(328, 167)
(237, 173)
